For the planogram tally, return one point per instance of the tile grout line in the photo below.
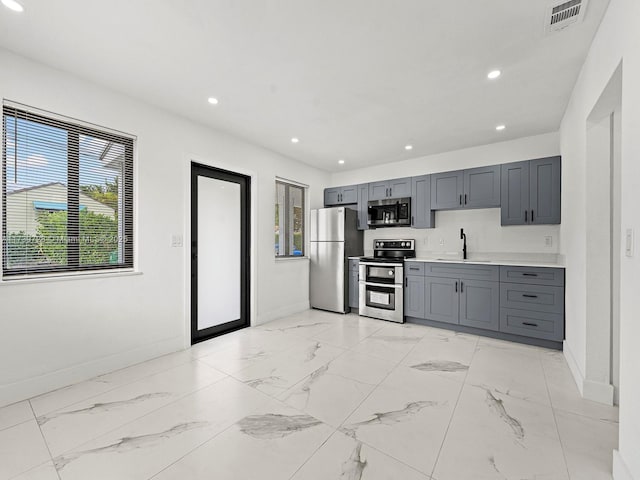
(555, 419)
(44, 440)
(453, 412)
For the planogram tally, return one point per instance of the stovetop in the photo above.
(383, 259)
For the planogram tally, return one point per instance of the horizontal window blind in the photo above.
(289, 220)
(67, 195)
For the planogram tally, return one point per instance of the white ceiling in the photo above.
(352, 79)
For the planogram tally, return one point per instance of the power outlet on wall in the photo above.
(442, 242)
(548, 241)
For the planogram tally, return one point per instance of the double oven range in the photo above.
(381, 279)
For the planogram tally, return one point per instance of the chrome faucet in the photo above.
(464, 244)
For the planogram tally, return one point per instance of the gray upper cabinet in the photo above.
(421, 214)
(515, 193)
(480, 304)
(447, 190)
(544, 187)
(482, 187)
(397, 188)
(363, 213)
(472, 188)
(340, 195)
(531, 192)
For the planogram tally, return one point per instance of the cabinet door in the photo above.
(514, 191)
(480, 304)
(349, 194)
(400, 187)
(331, 196)
(544, 183)
(378, 190)
(421, 214)
(482, 187)
(363, 212)
(441, 299)
(414, 296)
(353, 289)
(446, 190)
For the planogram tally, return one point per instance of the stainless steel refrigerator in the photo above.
(334, 238)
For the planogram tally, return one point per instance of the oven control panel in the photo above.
(394, 244)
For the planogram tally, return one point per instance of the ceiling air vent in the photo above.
(565, 14)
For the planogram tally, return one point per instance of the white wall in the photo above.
(615, 42)
(57, 332)
(482, 226)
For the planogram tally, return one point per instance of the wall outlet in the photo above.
(425, 241)
(628, 244)
(442, 242)
(548, 241)
(176, 240)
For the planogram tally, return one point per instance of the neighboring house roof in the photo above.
(25, 189)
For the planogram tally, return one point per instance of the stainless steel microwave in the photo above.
(390, 212)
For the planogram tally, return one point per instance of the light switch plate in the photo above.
(176, 240)
(629, 243)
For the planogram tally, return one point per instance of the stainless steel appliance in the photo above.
(389, 212)
(381, 279)
(334, 238)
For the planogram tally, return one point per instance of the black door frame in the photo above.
(244, 182)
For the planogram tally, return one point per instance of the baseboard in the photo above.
(29, 388)
(598, 392)
(589, 389)
(282, 312)
(620, 469)
(573, 366)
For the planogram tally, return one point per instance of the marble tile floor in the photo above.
(319, 396)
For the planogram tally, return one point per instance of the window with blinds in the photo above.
(67, 195)
(289, 219)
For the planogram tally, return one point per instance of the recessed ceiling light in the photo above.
(212, 100)
(408, 147)
(13, 5)
(341, 162)
(493, 74)
(294, 140)
(500, 127)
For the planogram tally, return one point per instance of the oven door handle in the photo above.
(385, 285)
(381, 264)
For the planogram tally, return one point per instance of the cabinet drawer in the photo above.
(414, 268)
(463, 271)
(541, 298)
(354, 265)
(548, 326)
(532, 275)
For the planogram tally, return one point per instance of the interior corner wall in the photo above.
(57, 332)
(615, 43)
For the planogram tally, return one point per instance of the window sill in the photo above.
(61, 277)
(288, 259)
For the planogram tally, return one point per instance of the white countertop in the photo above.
(526, 260)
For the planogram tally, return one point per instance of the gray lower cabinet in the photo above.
(442, 302)
(422, 216)
(515, 300)
(354, 296)
(363, 211)
(414, 296)
(480, 304)
(340, 195)
(531, 192)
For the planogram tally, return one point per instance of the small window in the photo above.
(67, 195)
(289, 220)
